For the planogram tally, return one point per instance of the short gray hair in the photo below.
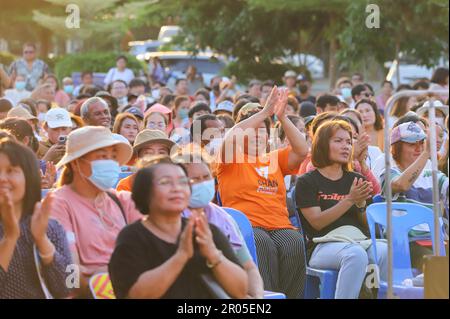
(84, 110)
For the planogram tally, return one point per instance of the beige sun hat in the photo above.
(20, 112)
(90, 138)
(148, 136)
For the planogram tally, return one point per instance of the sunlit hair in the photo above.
(320, 150)
(119, 120)
(21, 156)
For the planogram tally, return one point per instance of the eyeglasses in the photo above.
(28, 52)
(166, 181)
(197, 180)
(152, 125)
(368, 94)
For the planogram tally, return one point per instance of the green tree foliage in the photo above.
(102, 23)
(416, 28)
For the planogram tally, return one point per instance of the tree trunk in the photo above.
(332, 62)
(45, 40)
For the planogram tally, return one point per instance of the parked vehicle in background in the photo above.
(140, 48)
(175, 64)
(409, 70)
(168, 32)
(165, 36)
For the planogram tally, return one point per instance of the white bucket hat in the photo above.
(437, 105)
(90, 138)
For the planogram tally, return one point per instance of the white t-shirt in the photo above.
(379, 167)
(114, 74)
(15, 96)
(373, 152)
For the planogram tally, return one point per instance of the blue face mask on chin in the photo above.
(68, 89)
(346, 93)
(183, 114)
(202, 194)
(20, 85)
(104, 174)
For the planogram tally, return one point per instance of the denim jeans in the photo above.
(351, 260)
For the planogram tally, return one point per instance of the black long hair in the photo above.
(22, 156)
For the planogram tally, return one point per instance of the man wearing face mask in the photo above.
(304, 86)
(203, 191)
(343, 89)
(91, 212)
(19, 92)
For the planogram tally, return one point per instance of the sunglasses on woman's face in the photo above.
(367, 94)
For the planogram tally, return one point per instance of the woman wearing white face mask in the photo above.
(202, 193)
(90, 211)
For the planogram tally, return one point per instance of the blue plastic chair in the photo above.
(378, 198)
(320, 283)
(405, 216)
(246, 229)
(219, 201)
(247, 232)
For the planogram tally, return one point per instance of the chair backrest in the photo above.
(378, 198)
(246, 229)
(404, 217)
(101, 287)
(218, 199)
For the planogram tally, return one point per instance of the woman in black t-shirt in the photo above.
(331, 197)
(166, 256)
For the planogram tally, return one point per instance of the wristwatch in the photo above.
(216, 263)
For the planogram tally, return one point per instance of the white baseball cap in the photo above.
(58, 117)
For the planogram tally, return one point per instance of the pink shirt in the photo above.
(92, 236)
(61, 98)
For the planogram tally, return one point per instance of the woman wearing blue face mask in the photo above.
(181, 110)
(202, 193)
(91, 212)
(68, 86)
(18, 92)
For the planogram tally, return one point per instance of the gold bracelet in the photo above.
(213, 265)
(362, 206)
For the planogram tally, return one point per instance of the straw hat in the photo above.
(90, 138)
(20, 112)
(148, 136)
